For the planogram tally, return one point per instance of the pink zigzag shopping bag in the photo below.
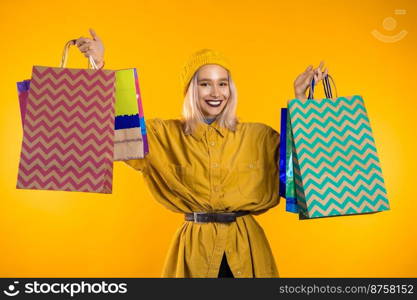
(68, 130)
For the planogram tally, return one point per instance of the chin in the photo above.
(213, 112)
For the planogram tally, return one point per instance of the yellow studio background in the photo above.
(127, 233)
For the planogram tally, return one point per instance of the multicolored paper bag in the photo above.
(286, 178)
(130, 129)
(282, 151)
(291, 199)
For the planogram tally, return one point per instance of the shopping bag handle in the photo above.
(64, 59)
(326, 85)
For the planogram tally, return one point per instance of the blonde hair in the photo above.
(192, 114)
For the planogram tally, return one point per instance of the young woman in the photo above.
(215, 170)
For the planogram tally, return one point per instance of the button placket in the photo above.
(220, 245)
(232, 257)
(214, 169)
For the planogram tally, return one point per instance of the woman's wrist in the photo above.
(300, 96)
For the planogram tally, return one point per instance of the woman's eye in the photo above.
(203, 84)
(223, 84)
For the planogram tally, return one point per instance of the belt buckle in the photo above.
(196, 214)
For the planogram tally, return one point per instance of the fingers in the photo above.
(80, 41)
(319, 74)
(85, 44)
(316, 79)
(94, 35)
(307, 73)
(306, 76)
(318, 70)
(85, 47)
(306, 81)
(321, 65)
(310, 70)
(89, 53)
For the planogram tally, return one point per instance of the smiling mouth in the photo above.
(213, 103)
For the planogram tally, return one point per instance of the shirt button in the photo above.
(212, 143)
(215, 165)
(251, 166)
(238, 272)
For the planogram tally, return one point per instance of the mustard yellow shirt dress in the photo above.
(214, 170)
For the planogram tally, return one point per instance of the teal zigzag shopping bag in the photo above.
(335, 162)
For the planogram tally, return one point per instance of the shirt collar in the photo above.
(203, 127)
(221, 130)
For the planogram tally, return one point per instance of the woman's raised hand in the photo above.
(92, 47)
(303, 81)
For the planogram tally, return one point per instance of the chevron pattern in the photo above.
(336, 166)
(68, 131)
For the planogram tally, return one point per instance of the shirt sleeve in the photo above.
(272, 148)
(137, 164)
(272, 144)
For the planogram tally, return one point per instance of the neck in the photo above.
(209, 120)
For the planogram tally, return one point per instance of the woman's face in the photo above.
(213, 90)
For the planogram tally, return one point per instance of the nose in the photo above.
(215, 91)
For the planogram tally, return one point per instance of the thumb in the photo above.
(94, 35)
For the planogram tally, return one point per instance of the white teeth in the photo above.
(213, 103)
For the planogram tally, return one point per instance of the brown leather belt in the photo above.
(220, 217)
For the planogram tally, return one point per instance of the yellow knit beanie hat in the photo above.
(197, 60)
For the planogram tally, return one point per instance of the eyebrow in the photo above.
(208, 79)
